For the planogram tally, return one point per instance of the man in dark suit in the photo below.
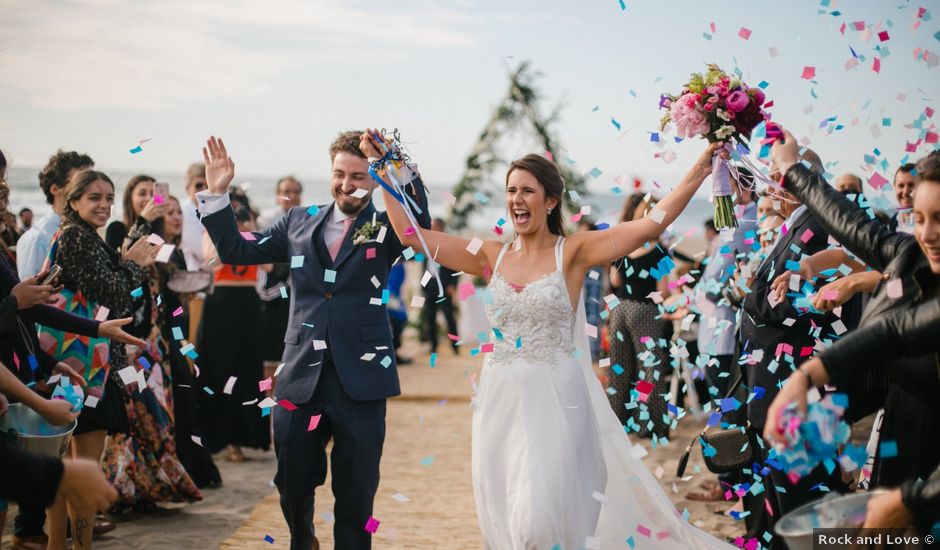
(339, 362)
(777, 337)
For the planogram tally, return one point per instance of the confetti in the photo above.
(744, 33)
(809, 73)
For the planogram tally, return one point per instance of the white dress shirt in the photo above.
(33, 247)
(191, 239)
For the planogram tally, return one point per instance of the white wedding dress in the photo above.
(552, 466)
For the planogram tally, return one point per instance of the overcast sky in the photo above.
(279, 79)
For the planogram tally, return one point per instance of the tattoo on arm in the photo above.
(80, 525)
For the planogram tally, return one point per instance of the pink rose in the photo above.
(759, 96)
(688, 117)
(737, 101)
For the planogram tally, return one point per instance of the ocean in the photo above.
(605, 204)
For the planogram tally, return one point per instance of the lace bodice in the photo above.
(535, 323)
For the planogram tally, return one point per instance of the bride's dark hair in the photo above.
(549, 177)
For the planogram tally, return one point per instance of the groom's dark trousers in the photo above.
(357, 429)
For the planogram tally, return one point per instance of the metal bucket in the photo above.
(31, 432)
(832, 512)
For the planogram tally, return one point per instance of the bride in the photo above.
(552, 466)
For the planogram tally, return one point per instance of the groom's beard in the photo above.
(352, 206)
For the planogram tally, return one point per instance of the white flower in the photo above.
(723, 115)
(724, 132)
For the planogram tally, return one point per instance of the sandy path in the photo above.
(427, 460)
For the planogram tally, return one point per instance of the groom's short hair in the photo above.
(346, 142)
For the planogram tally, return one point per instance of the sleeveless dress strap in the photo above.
(559, 252)
(499, 258)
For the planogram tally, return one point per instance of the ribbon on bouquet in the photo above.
(721, 184)
(400, 173)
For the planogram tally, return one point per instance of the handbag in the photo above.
(734, 447)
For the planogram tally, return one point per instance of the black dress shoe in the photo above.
(102, 527)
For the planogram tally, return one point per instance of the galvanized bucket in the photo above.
(31, 432)
(832, 512)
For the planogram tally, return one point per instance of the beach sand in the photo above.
(426, 459)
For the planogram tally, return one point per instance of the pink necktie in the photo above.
(338, 243)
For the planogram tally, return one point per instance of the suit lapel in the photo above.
(783, 247)
(312, 234)
(346, 250)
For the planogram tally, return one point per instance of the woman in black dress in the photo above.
(640, 362)
(195, 457)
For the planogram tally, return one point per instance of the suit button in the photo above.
(328, 295)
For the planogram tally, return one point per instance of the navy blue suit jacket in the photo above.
(338, 313)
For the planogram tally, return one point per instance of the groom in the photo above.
(339, 362)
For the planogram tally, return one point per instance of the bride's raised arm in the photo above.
(448, 250)
(594, 248)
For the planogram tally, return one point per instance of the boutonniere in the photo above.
(367, 232)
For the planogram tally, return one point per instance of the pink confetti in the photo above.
(264, 385)
(830, 295)
(643, 530)
(643, 386)
(883, 36)
(929, 112)
(465, 290)
(783, 347)
(370, 253)
(248, 236)
(744, 33)
(178, 311)
(931, 137)
(876, 65)
(806, 236)
(410, 231)
(372, 525)
(487, 347)
(809, 73)
(287, 405)
(859, 25)
(806, 351)
(314, 422)
(453, 337)
(549, 156)
(877, 180)
(712, 27)
(894, 288)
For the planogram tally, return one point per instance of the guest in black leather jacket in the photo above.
(911, 268)
(910, 333)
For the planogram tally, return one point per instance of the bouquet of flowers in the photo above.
(717, 107)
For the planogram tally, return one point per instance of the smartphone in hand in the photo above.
(161, 192)
(52, 277)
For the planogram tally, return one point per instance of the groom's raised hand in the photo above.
(220, 169)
